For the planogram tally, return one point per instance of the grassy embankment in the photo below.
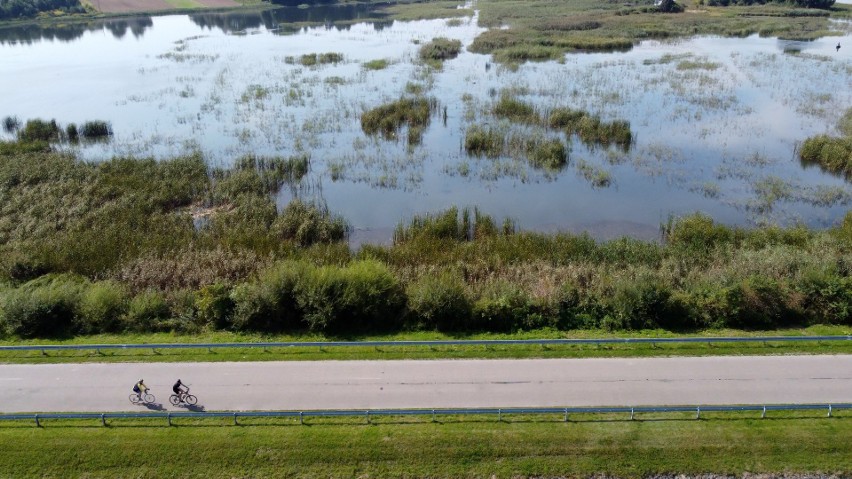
(543, 30)
(424, 352)
(415, 447)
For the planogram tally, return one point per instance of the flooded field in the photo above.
(715, 122)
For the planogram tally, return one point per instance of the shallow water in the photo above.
(717, 137)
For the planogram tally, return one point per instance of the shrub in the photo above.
(39, 130)
(502, 307)
(44, 307)
(827, 297)
(147, 311)
(759, 302)
(95, 129)
(362, 296)
(11, 124)
(645, 302)
(270, 303)
(72, 133)
(214, 305)
(440, 302)
(102, 307)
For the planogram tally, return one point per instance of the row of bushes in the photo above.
(365, 296)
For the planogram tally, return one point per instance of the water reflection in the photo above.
(32, 33)
(284, 20)
(278, 20)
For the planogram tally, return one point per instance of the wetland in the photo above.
(714, 122)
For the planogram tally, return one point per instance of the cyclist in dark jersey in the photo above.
(178, 388)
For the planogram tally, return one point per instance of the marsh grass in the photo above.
(313, 59)
(377, 64)
(389, 118)
(440, 49)
(481, 141)
(529, 31)
(833, 154)
(515, 110)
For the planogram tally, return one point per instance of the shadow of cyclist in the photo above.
(154, 406)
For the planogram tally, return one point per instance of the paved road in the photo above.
(444, 383)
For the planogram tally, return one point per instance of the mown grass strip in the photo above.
(450, 447)
(306, 353)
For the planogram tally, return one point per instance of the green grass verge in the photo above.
(425, 352)
(451, 447)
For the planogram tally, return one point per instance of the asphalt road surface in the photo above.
(435, 383)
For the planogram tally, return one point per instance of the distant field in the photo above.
(129, 6)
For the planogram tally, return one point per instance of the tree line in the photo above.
(15, 9)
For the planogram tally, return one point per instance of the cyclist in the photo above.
(140, 388)
(180, 389)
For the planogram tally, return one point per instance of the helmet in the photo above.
(178, 380)
(141, 380)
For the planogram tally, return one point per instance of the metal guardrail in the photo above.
(369, 413)
(483, 342)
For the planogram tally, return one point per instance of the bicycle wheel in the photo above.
(134, 398)
(174, 399)
(149, 398)
(190, 399)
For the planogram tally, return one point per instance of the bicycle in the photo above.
(142, 398)
(184, 397)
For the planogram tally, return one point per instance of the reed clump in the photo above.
(515, 110)
(479, 141)
(312, 59)
(389, 118)
(440, 49)
(589, 128)
(831, 153)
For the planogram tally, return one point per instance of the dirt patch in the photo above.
(132, 6)
(218, 3)
(129, 6)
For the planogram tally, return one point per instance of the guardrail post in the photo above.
(433, 415)
(169, 418)
(500, 415)
(235, 420)
(829, 410)
(98, 351)
(43, 353)
(631, 414)
(301, 419)
(209, 349)
(37, 423)
(368, 416)
(698, 412)
(763, 414)
(103, 419)
(566, 415)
